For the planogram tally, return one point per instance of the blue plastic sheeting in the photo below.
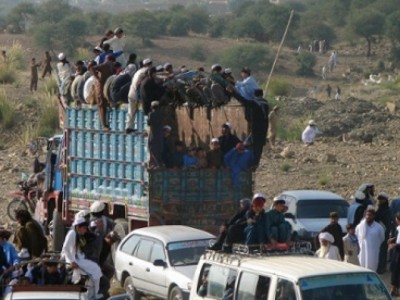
(106, 165)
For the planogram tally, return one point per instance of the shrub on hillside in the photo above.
(256, 57)
(279, 87)
(7, 112)
(16, 57)
(48, 115)
(7, 74)
(306, 62)
(197, 53)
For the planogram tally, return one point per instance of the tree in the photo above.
(306, 62)
(392, 31)
(71, 32)
(141, 23)
(53, 11)
(256, 57)
(178, 25)
(19, 17)
(198, 19)
(45, 36)
(367, 24)
(245, 27)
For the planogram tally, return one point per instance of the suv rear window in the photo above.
(216, 282)
(317, 209)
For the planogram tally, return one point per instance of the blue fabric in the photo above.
(238, 162)
(247, 87)
(189, 161)
(256, 233)
(10, 253)
(102, 56)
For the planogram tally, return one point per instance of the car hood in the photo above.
(316, 225)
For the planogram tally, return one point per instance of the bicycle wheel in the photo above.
(13, 205)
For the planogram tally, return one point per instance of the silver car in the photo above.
(308, 211)
(160, 260)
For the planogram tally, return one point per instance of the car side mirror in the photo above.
(159, 263)
(290, 216)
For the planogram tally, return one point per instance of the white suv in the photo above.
(278, 277)
(160, 260)
(308, 211)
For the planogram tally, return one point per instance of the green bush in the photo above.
(279, 87)
(254, 56)
(7, 112)
(285, 167)
(197, 53)
(50, 86)
(306, 62)
(290, 131)
(48, 122)
(16, 57)
(7, 74)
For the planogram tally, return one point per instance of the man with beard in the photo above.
(327, 249)
(336, 231)
(370, 236)
(385, 218)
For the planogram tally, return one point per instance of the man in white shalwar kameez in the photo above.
(309, 134)
(370, 236)
(73, 255)
(327, 249)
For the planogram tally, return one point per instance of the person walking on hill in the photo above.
(34, 75)
(338, 92)
(46, 64)
(329, 91)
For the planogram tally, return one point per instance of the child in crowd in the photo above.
(351, 246)
(201, 158)
(214, 156)
(189, 159)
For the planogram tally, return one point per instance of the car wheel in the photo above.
(130, 288)
(175, 294)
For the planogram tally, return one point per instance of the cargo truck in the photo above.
(86, 164)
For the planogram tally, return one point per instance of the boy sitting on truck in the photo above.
(255, 230)
(278, 230)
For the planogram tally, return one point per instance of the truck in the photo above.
(85, 164)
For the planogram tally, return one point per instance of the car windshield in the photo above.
(366, 286)
(316, 209)
(186, 252)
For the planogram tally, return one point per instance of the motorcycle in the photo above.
(25, 198)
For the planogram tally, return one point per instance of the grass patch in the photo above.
(83, 54)
(285, 167)
(50, 86)
(279, 87)
(7, 74)
(48, 115)
(7, 112)
(290, 131)
(16, 57)
(324, 177)
(27, 135)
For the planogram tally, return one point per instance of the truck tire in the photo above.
(58, 232)
(121, 228)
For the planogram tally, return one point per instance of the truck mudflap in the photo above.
(202, 198)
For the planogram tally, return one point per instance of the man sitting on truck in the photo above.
(278, 229)
(227, 140)
(255, 230)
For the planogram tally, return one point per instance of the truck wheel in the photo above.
(175, 294)
(13, 205)
(130, 288)
(58, 232)
(121, 228)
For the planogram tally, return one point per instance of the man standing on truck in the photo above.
(133, 95)
(257, 111)
(155, 121)
(101, 73)
(248, 85)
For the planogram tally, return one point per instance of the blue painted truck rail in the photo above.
(111, 166)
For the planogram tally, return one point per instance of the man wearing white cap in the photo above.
(327, 249)
(214, 156)
(64, 73)
(309, 134)
(72, 251)
(133, 95)
(370, 236)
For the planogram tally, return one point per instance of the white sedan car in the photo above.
(160, 260)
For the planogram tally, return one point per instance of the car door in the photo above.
(124, 256)
(157, 275)
(140, 265)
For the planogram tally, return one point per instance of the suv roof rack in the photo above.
(259, 250)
